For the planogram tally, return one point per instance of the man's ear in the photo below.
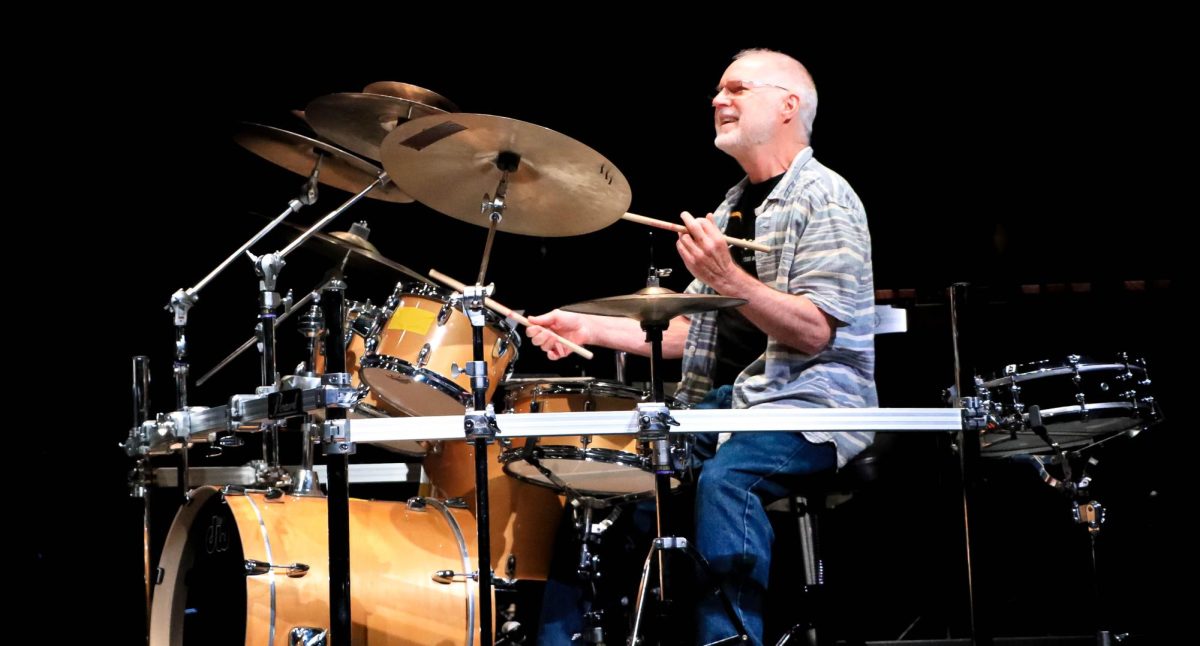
(791, 107)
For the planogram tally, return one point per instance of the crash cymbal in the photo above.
(299, 154)
(560, 187)
(363, 254)
(359, 122)
(654, 305)
(412, 93)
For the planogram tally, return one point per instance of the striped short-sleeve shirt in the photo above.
(816, 228)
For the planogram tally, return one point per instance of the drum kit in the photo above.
(424, 351)
(261, 564)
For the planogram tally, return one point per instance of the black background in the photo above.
(1041, 156)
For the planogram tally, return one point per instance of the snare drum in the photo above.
(594, 465)
(420, 346)
(1081, 402)
(218, 586)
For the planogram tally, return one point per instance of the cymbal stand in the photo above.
(507, 162)
(335, 436)
(588, 567)
(182, 300)
(268, 267)
(480, 427)
(312, 326)
(289, 310)
(480, 423)
(142, 475)
(654, 420)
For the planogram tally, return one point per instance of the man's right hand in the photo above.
(574, 327)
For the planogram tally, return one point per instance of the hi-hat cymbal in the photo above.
(359, 122)
(299, 154)
(363, 254)
(412, 93)
(560, 187)
(654, 305)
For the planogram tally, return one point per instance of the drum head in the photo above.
(593, 472)
(210, 596)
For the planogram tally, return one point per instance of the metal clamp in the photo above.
(481, 424)
(654, 420)
(342, 394)
(975, 415)
(477, 372)
(335, 435)
(1091, 514)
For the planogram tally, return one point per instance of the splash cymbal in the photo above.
(299, 154)
(558, 186)
(412, 93)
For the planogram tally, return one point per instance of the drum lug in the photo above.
(444, 313)
(307, 636)
(450, 576)
(292, 570)
(416, 503)
(423, 356)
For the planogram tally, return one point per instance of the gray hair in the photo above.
(805, 88)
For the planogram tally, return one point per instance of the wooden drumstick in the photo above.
(679, 228)
(454, 284)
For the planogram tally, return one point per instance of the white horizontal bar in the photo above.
(359, 474)
(450, 427)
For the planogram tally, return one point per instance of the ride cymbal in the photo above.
(556, 185)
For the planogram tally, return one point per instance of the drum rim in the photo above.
(165, 624)
(566, 452)
(1059, 369)
(583, 386)
(426, 376)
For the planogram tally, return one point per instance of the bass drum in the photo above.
(523, 518)
(218, 586)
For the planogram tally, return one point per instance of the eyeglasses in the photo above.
(742, 88)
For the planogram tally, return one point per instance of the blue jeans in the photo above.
(733, 532)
